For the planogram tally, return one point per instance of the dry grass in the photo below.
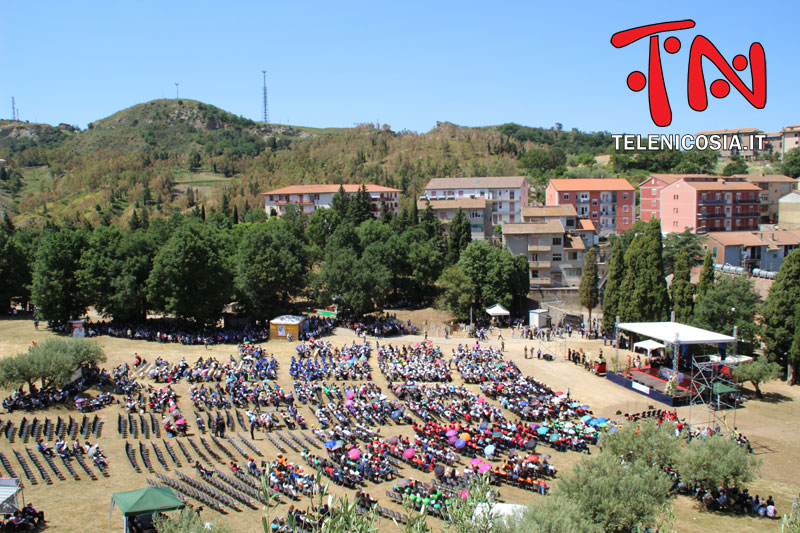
(82, 505)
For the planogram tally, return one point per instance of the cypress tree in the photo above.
(134, 222)
(588, 288)
(235, 214)
(682, 289)
(780, 321)
(611, 293)
(706, 275)
(145, 218)
(224, 206)
(633, 294)
(340, 204)
(460, 236)
(655, 285)
(386, 214)
(203, 212)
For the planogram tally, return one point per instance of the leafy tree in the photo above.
(732, 301)
(682, 288)
(56, 290)
(706, 275)
(15, 270)
(653, 444)
(736, 166)
(717, 461)
(114, 269)
(457, 291)
(460, 236)
(270, 267)
(340, 204)
(554, 514)
(684, 241)
(321, 225)
(498, 276)
(52, 362)
(791, 163)
(194, 160)
(255, 215)
(191, 275)
(617, 497)
(758, 371)
(470, 514)
(386, 214)
(780, 316)
(588, 291)
(360, 207)
(613, 286)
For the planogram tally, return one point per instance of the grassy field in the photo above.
(81, 505)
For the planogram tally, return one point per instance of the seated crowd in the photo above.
(418, 363)
(171, 331)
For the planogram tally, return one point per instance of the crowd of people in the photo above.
(736, 500)
(165, 331)
(383, 326)
(25, 519)
(423, 362)
(481, 364)
(35, 398)
(445, 402)
(318, 360)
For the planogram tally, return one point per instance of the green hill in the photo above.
(167, 155)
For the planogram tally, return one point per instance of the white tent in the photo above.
(671, 332)
(498, 510)
(498, 310)
(649, 345)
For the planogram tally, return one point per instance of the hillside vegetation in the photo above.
(169, 155)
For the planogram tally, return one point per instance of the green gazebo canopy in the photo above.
(146, 500)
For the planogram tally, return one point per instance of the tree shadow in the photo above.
(773, 397)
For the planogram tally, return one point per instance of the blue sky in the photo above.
(408, 64)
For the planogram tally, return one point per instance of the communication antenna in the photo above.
(266, 108)
(177, 94)
(14, 110)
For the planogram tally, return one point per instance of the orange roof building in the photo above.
(609, 203)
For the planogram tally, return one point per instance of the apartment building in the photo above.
(505, 196)
(477, 210)
(773, 187)
(752, 249)
(312, 197)
(554, 240)
(747, 140)
(719, 205)
(609, 203)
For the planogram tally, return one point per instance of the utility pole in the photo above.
(177, 94)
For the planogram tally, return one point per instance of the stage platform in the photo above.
(651, 386)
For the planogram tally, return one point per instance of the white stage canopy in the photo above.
(648, 345)
(498, 310)
(9, 487)
(669, 332)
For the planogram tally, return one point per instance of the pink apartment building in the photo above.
(719, 205)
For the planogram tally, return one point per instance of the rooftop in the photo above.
(455, 203)
(591, 184)
(585, 224)
(771, 238)
(551, 226)
(567, 210)
(766, 178)
(734, 130)
(499, 182)
(672, 178)
(722, 185)
(329, 188)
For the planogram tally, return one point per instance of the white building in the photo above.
(312, 197)
(505, 195)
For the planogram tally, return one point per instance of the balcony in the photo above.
(541, 281)
(711, 215)
(536, 265)
(539, 248)
(711, 202)
(745, 215)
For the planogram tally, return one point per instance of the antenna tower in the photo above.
(266, 108)
(14, 110)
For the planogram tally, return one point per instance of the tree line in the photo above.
(194, 266)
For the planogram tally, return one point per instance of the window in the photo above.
(653, 203)
(461, 193)
(624, 196)
(675, 210)
(511, 195)
(534, 257)
(573, 256)
(738, 196)
(570, 222)
(500, 206)
(594, 214)
(674, 223)
(625, 208)
(556, 258)
(675, 197)
(511, 206)
(624, 220)
(565, 196)
(594, 201)
(556, 241)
